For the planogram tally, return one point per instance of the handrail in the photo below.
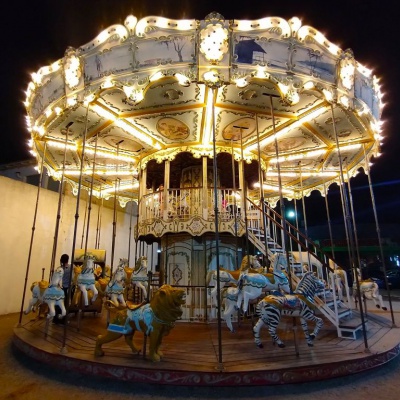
(295, 236)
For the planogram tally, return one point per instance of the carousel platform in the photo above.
(192, 356)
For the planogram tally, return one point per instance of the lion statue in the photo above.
(155, 319)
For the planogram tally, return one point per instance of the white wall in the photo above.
(17, 211)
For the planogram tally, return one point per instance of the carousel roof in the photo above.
(269, 90)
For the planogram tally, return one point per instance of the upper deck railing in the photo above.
(191, 209)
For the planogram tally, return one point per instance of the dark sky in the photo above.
(36, 33)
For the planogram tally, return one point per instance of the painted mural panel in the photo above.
(313, 62)
(115, 61)
(363, 90)
(172, 49)
(52, 90)
(280, 55)
(249, 50)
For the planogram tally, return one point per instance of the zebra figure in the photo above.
(300, 304)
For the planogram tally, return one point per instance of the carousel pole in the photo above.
(282, 203)
(354, 223)
(164, 262)
(215, 166)
(328, 217)
(141, 196)
(78, 196)
(329, 221)
(235, 215)
(378, 232)
(84, 224)
(353, 218)
(303, 204)
(152, 255)
(345, 225)
(244, 191)
(89, 208)
(297, 224)
(130, 225)
(114, 231)
(98, 227)
(282, 207)
(346, 228)
(137, 235)
(60, 193)
(261, 180)
(349, 229)
(234, 205)
(32, 234)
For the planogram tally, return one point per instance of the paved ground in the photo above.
(24, 379)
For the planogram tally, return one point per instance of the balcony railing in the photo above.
(190, 209)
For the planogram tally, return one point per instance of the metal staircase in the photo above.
(302, 254)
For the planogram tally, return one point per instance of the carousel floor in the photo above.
(192, 356)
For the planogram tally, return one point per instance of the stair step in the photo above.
(349, 328)
(347, 324)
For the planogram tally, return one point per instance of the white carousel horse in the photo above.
(115, 289)
(54, 295)
(86, 280)
(300, 304)
(368, 289)
(339, 280)
(252, 285)
(226, 277)
(139, 275)
(230, 299)
(37, 289)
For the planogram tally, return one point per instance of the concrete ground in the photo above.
(25, 379)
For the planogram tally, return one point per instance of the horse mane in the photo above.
(88, 257)
(117, 271)
(56, 278)
(122, 262)
(139, 262)
(275, 261)
(247, 262)
(307, 285)
(209, 276)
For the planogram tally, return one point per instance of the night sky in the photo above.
(36, 33)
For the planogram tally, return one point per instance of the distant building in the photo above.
(367, 240)
(26, 171)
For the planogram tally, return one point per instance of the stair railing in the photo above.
(326, 265)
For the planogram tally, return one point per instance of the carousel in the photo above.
(203, 131)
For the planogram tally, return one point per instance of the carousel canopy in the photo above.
(268, 90)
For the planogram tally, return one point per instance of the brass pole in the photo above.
(349, 229)
(378, 232)
(32, 234)
(63, 347)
